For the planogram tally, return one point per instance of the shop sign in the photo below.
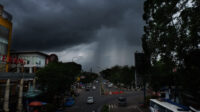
(4, 58)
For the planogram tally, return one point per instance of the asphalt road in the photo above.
(81, 101)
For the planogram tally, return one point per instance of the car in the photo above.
(87, 89)
(83, 87)
(90, 100)
(93, 87)
(122, 101)
(69, 102)
(110, 85)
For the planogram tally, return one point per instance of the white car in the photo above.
(93, 87)
(90, 100)
(110, 85)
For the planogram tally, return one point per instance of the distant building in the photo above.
(5, 38)
(32, 61)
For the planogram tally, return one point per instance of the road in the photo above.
(82, 106)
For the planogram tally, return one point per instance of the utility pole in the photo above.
(20, 105)
(6, 97)
(135, 79)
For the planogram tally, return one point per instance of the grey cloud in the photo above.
(54, 25)
(114, 27)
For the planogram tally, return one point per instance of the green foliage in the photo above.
(89, 77)
(172, 34)
(171, 30)
(118, 74)
(102, 90)
(105, 108)
(56, 78)
(160, 76)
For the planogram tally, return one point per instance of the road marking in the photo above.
(111, 106)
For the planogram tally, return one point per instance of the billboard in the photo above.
(142, 62)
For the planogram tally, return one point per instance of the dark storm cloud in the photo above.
(58, 24)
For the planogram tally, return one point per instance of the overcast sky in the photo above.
(94, 33)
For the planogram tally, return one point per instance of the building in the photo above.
(32, 61)
(5, 38)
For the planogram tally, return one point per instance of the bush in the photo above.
(105, 108)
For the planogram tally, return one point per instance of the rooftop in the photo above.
(28, 52)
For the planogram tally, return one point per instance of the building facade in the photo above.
(32, 61)
(5, 38)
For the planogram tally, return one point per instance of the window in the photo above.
(28, 62)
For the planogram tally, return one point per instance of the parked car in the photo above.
(122, 101)
(90, 100)
(69, 102)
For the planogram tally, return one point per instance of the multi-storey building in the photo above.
(5, 38)
(32, 61)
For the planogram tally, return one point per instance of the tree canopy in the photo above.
(56, 78)
(172, 40)
(172, 29)
(119, 74)
(88, 77)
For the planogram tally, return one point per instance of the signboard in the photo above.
(82, 77)
(4, 58)
(142, 62)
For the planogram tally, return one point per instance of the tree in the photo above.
(56, 78)
(171, 30)
(119, 74)
(172, 34)
(89, 77)
(160, 76)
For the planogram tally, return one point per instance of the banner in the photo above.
(11, 60)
